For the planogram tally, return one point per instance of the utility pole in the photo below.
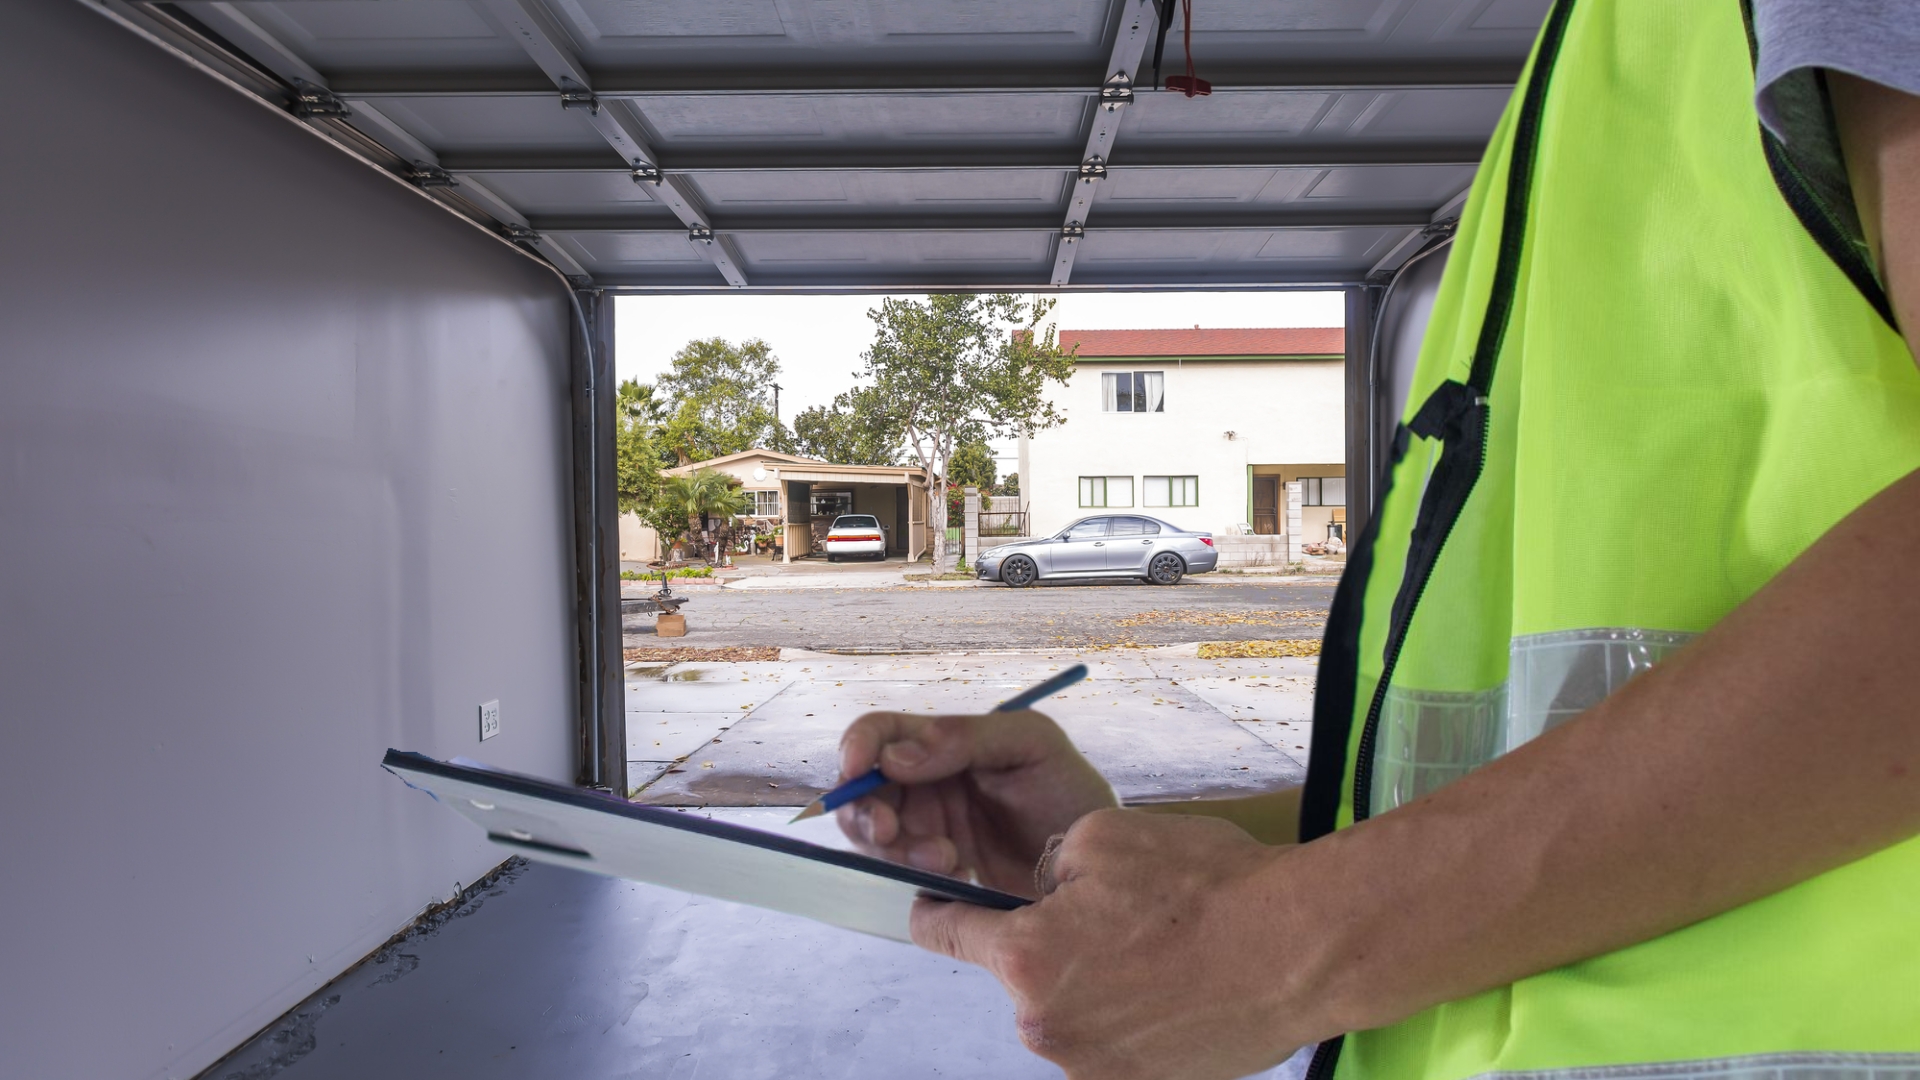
(776, 401)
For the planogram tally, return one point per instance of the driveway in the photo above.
(1160, 724)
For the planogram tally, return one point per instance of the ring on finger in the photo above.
(1043, 881)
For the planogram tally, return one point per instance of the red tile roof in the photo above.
(1287, 341)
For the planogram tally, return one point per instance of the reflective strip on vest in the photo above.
(1429, 738)
(1753, 1067)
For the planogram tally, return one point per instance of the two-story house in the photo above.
(1207, 429)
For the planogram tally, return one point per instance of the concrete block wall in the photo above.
(1239, 552)
(1296, 527)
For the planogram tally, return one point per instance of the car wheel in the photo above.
(1018, 571)
(831, 557)
(1166, 569)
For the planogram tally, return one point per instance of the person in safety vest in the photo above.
(1583, 804)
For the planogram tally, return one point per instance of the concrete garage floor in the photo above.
(1161, 724)
(548, 972)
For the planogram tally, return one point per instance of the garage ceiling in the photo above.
(835, 145)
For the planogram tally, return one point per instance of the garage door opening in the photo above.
(1215, 448)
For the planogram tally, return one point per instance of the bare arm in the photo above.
(1880, 135)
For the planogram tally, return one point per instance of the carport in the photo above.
(897, 497)
(307, 411)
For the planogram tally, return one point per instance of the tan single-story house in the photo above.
(804, 495)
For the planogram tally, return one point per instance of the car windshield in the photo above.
(856, 521)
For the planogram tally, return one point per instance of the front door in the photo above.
(1266, 505)
(1082, 550)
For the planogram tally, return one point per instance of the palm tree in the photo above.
(706, 493)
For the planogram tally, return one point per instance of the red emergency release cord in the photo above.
(1188, 84)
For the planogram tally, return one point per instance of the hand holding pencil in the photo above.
(967, 795)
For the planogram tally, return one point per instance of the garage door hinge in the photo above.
(519, 234)
(1072, 231)
(580, 99)
(646, 174)
(700, 234)
(430, 176)
(1094, 168)
(1112, 97)
(311, 101)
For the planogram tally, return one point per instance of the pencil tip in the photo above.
(813, 809)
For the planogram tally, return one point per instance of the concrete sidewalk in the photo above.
(1161, 724)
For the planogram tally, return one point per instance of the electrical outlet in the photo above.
(489, 720)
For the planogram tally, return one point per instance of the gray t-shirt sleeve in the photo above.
(1799, 41)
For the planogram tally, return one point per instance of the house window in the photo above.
(1323, 491)
(1170, 491)
(1106, 491)
(1134, 391)
(831, 504)
(766, 504)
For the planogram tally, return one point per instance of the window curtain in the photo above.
(1152, 392)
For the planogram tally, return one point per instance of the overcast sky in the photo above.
(819, 339)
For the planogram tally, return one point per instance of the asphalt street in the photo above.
(1049, 616)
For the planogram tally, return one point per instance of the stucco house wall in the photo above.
(1224, 419)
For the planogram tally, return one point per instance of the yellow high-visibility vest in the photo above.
(1656, 372)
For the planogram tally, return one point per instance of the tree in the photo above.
(857, 429)
(957, 368)
(702, 494)
(720, 400)
(1009, 486)
(639, 457)
(974, 464)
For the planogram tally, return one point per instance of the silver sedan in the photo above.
(1109, 546)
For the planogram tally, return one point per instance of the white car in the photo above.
(856, 534)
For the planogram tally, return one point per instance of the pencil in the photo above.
(861, 786)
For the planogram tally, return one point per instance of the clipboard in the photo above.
(590, 830)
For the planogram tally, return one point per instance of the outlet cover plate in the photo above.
(489, 720)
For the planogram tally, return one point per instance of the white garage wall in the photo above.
(283, 483)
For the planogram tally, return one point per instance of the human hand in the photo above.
(1155, 956)
(971, 795)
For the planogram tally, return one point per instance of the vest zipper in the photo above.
(1326, 1058)
(1457, 414)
